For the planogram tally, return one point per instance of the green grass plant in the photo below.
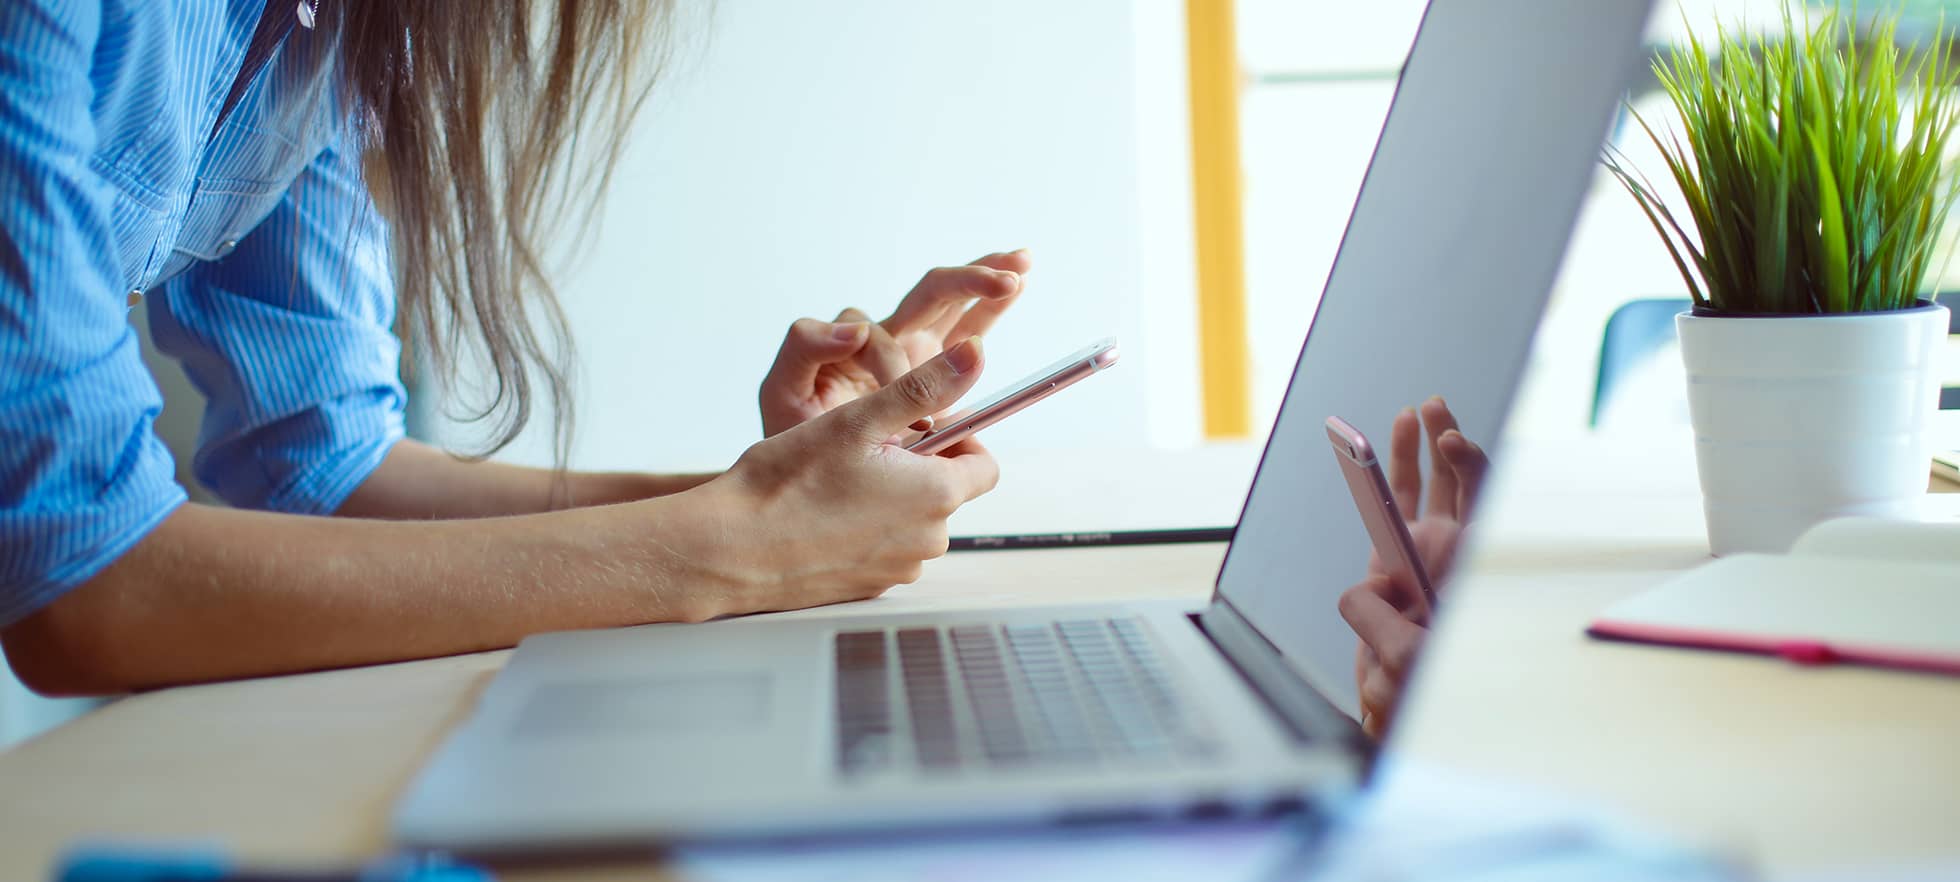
(1813, 167)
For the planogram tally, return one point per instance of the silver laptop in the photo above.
(771, 727)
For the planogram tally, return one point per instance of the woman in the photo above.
(278, 185)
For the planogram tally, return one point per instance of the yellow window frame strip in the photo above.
(1225, 367)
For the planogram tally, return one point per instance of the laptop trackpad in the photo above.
(645, 705)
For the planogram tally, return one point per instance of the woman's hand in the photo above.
(1388, 615)
(826, 364)
(833, 509)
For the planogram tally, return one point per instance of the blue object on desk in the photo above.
(1636, 330)
(123, 864)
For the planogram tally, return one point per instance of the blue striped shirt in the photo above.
(252, 242)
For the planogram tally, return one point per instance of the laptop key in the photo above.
(863, 706)
(1072, 692)
(928, 695)
(990, 694)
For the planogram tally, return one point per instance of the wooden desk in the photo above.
(304, 768)
(1800, 769)
(1803, 769)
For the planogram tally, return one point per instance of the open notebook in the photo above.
(1853, 591)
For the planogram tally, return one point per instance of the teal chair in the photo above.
(1641, 327)
(1635, 331)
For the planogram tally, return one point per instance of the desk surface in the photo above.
(1801, 769)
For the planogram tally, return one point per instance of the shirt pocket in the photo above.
(222, 211)
(249, 169)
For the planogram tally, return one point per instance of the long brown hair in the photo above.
(473, 115)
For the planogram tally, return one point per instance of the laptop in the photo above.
(773, 727)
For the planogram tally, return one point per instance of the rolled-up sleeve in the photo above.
(290, 337)
(82, 475)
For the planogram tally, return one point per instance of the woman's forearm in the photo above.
(826, 512)
(216, 593)
(419, 482)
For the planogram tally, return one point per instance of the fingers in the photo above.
(973, 468)
(811, 344)
(1395, 640)
(1470, 464)
(1405, 463)
(1385, 655)
(1379, 697)
(1437, 419)
(926, 390)
(882, 355)
(1016, 261)
(1401, 590)
(1457, 465)
(980, 318)
(1364, 661)
(1365, 666)
(942, 293)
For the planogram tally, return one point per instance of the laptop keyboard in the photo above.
(1084, 691)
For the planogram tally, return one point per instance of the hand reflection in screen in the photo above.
(1387, 612)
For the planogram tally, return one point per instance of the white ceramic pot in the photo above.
(1799, 419)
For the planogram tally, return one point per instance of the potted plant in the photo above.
(1812, 168)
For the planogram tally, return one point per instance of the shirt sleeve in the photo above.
(289, 337)
(82, 475)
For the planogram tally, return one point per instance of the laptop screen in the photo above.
(1448, 260)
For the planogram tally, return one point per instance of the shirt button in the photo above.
(228, 245)
(135, 296)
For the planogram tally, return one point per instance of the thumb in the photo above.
(811, 344)
(927, 389)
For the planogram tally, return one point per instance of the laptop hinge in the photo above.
(1302, 709)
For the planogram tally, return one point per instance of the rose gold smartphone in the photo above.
(1386, 529)
(1041, 384)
